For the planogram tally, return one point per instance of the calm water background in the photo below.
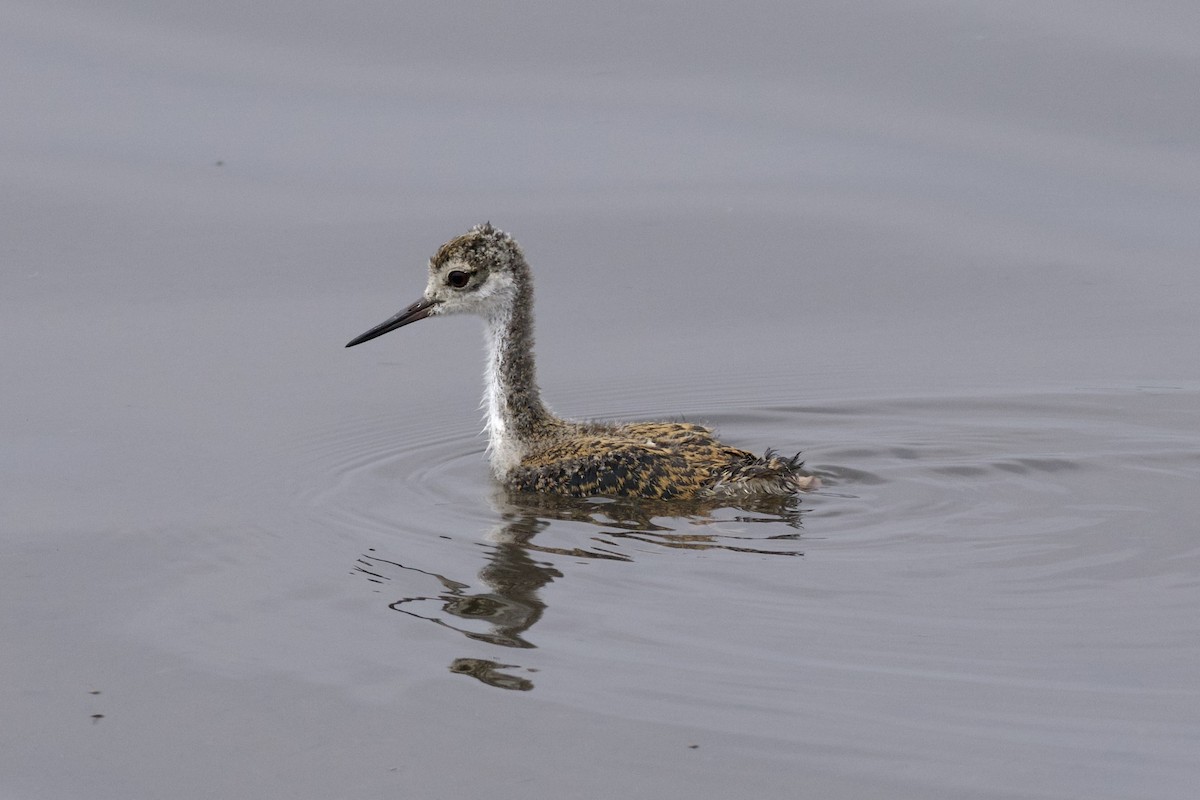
(947, 249)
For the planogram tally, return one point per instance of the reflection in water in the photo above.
(651, 521)
(486, 671)
(504, 614)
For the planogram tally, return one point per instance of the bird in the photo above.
(530, 448)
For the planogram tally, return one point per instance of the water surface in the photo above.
(946, 251)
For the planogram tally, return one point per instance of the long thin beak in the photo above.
(418, 310)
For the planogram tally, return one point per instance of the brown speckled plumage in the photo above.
(484, 272)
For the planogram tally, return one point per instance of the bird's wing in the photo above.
(613, 466)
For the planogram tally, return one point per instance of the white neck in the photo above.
(504, 447)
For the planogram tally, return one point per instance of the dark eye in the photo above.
(458, 279)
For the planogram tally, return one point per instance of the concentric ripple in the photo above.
(890, 469)
(1031, 495)
(389, 475)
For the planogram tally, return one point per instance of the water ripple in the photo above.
(1039, 498)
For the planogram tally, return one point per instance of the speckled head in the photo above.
(480, 272)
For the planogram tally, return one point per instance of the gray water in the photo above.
(947, 250)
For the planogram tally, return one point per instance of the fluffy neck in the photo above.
(515, 413)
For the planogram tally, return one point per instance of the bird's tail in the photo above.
(770, 474)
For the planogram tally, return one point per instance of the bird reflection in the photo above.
(656, 522)
(489, 672)
(514, 574)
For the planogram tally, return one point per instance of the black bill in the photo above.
(418, 310)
